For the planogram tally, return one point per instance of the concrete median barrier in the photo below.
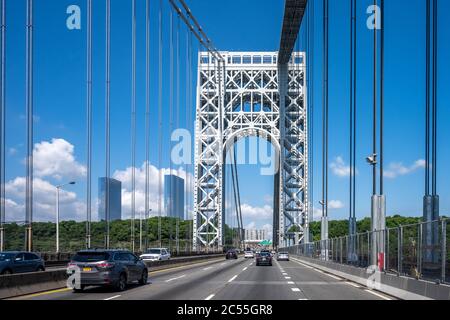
(34, 282)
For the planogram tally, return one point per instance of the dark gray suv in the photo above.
(116, 268)
(20, 262)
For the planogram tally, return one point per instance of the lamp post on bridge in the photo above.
(58, 188)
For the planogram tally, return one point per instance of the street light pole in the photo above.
(57, 211)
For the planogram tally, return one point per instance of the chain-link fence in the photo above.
(421, 250)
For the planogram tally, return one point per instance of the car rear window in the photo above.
(264, 254)
(6, 256)
(91, 256)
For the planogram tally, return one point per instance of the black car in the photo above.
(20, 262)
(231, 254)
(115, 268)
(264, 258)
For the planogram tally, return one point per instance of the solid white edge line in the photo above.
(110, 298)
(232, 278)
(353, 284)
(332, 276)
(377, 294)
(210, 297)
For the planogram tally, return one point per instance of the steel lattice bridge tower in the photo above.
(249, 94)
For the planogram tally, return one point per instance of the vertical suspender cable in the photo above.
(89, 124)
(2, 123)
(427, 102)
(382, 98)
(325, 113)
(352, 17)
(434, 100)
(160, 97)
(133, 122)
(374, 125)
(107, 102)
(355, 107)
(178, 127)
(171, 200)
(147, 112)
(311, 103)
(29, 117)
(192, 127)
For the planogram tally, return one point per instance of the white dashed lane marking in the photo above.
(210, 297)
(113, 297)
(169, 280)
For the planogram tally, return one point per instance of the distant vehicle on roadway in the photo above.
(20, 262)
(283, 256)
(264, 258)
(249, 254)
(231, 254)
(156, 254)
(115, 268)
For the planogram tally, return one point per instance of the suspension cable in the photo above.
(133, 124)
(434, 99)
(427, 102)
(147, 113)
(89, 125)
(311, 104)
(160, 97)
(108, 118)
(374, 120)
(171, 212)
(2, 122)
(325, 113)
(29, 129)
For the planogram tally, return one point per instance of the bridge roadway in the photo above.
(229, 280)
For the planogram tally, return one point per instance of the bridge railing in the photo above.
(421, 250)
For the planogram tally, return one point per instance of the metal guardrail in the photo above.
(420, 251)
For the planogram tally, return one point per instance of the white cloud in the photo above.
(335, 204)
(44, 201)
(332, 205)
(251, 225)
(340, 168)
(56, 159)
(259, 213)
(397, 169)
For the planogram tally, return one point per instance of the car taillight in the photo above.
(104, 265)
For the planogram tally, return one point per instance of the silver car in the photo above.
(156, 254)
(283, 256)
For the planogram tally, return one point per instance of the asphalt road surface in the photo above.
(229, 280)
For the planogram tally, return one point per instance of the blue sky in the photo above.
(241, 25)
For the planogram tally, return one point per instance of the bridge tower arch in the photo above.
(250, 94)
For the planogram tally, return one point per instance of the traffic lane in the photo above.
(197, 285)
(318, 285)
(99, 293)
(259, 283)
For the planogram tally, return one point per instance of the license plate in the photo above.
(87, 269)
(264, 259)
